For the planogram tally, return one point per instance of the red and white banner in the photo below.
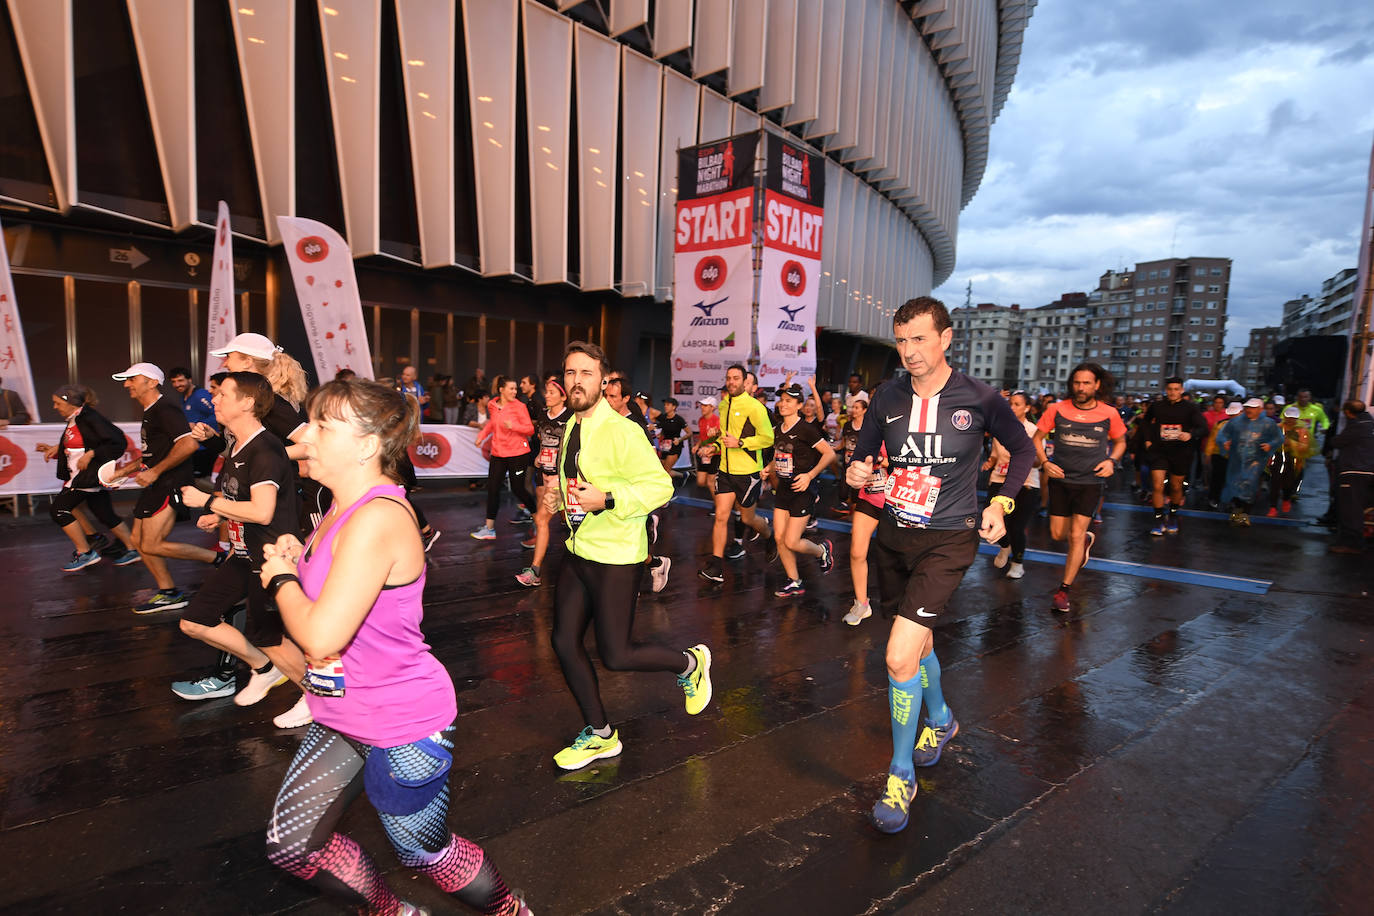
(327, 289)
(14, 356)
(713, 269)
(221, 326)
(793, 220)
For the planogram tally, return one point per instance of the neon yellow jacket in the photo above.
(616, 458)
(747, 419)
(1317, 422)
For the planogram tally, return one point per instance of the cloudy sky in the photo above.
(1225, 128)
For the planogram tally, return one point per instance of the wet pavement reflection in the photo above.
(1163, 747)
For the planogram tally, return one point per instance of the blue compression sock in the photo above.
(937, 710)
(904, 702)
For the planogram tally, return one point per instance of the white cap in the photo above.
(254, 345)
(106, 475)
(859, 396)
(1278, 399)
(1254, 402)
(1292, 412)
(1233, 408)
(147, 370)
(708, 400)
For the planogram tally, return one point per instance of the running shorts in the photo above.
(233, 581)
(744, 487)
(794, 503)
(152, 500)
(918, 569)
(1176, 459)
(1068, 499)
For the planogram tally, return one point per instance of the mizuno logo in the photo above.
(708, 307)
(894, 419)
(238, 464)
(791, 313)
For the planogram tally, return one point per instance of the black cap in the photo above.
(792, 391)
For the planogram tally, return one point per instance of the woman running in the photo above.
(509, 428)
(800, 453)
(707, 448)
(383, 706)
(548, 429)
(89, 441)
(868, 509)
(1013, 543)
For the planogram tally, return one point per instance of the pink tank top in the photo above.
(385, 689)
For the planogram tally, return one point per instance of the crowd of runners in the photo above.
(316, 557)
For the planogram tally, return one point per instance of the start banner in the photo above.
(793, 220)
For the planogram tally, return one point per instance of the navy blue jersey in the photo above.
(941, 437)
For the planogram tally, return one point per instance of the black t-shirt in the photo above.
(794, 450)
(260, 461)
(164, 423)
(548, 438)
(283, 419)
(1165, 420)
(849, 440)
(575, 513)
(670, 432)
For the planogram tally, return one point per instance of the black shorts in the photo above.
(864, 507)
(1068, 499)
(1177, 460)
(918, 569)
(674, 452)
(152, 500)
(794, 503)
(708, 465)
(744, 487)
(229, 583)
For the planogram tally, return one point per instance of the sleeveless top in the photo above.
(385, 689)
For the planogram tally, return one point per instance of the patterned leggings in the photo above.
(324, 778)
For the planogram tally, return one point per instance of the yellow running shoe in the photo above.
(697, 685)
(586, 747)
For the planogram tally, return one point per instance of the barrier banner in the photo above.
(713, 270)
(14, 356)
(793, 219)
(327, 290)
(221, 326)
(448, 451)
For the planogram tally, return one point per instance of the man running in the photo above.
(167, 450)
(609, 480)
(932, 426)
(744, 430)
(1089, 438)
(1171, 429)
(257, 497)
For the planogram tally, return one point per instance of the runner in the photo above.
(608, 482)
(1012, 547)
(1089, 438)
(167, 450)
(1248, 442)
(384, 706)
(1171, 429)
(616, 393)
(257, 498)
(199, 409)
(800, 453)
(707, 448)
(548, 433)
(745, 430)
(932, 425)
(868, 509)
(672, 432)
(88, 443)
(509, 428)
(849, 438)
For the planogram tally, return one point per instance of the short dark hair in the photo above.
(1105, 380)
(618, 382)
(344, 375)
(588, 349)
(1173, 380)
(373, 408)
(739, 366)
(1354, 407)
(75, 395)
(256, 386)
(179, 371)
(219, 377)
(924, 305)
(672, 401)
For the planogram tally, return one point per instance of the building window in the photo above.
(1213, 288)
(1140, 292)
(1212, 304)
(1206, 354)
(1197, 303)
(1215, 271)
(1198, 287)
(1159, 337)
(1209, 337)
(1192, 354)
(1211, 319)
(1193, 338)
(1195, 320)
(1164, 271)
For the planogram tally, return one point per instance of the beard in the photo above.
(1081, 400)
(579, 399)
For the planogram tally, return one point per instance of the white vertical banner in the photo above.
(220, 326)
(14, 356)
(327, 289)
(790, 273)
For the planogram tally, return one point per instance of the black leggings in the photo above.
(1027, 502)
(410, 482)
(597, 593)
(60, 509)
(497, 469)
(323, 780)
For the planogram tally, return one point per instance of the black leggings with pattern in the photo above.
(323, 779)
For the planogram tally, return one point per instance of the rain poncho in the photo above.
(1246, 460)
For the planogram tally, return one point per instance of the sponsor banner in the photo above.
(327, 289)
(15, 372)
(696, 376)
(443, 451)
(790, 265)
(717, 168)
(22, 468)
(221, 326)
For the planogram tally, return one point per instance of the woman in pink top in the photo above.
(509, 427)
(383, 705)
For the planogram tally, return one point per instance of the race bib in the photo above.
(665, 446)
(548, 457)
(708, 452)
(324, 678)
(1049, 449)
(571, 505)
(911, 496)
(1001, 469)
(1170, 432)
(236, 538)
(782, 463)
(877, 483)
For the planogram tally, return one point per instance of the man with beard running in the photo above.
(609, 480)
(745, 429)
(932, 426)
(1089, 438)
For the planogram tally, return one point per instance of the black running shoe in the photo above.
(712, 571)
(734, 551)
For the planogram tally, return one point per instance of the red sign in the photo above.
(793, 278)
(432, 452)
(710, 273)
(12, 460)
(312, 248)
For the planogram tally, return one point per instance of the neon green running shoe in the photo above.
(697, 685)
(586, 747)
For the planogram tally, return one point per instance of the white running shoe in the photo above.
(858, 613)
(296, 716)
(659, 574)
(258, 685)
(1001, 559)
(1015, 571)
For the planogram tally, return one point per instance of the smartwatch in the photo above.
(1006, 502)
(610, 502)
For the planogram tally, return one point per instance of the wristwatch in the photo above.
(1006, 502)
(610, 501)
